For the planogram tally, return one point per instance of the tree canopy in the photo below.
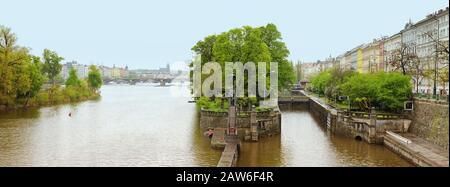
(94, 78)
(248, 44)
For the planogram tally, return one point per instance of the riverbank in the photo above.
(410, 146)
(57, 96)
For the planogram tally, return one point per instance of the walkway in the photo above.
(418, 150)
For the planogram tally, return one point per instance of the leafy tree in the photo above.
(443, 76)
(13, 64)
(204, 48)
(52, 66)
(279, 53)
(248, 44)
(94, 78)
(36, 76)
(22, 75)
(387, 91)
(321, 81)
(393, 89)
(73, 79)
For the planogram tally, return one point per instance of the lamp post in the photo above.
(436, 59)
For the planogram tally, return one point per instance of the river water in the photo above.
(148, 125)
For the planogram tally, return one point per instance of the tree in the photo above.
(443, 76)
(204, 48)
(13, 62)
(403, 57)
(393, 89)
(94, 78)
(387, 91)
(73, 79)
(442, 47)
(321, 81)
(418, 70)
(248, 44)
(36, 77)
(52, 66)
(279, 53)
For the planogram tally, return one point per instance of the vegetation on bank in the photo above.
(384, 91)
(245, 44)
(23, 77)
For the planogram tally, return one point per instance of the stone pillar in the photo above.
(373, 126)
(232, 130)
(253, 126)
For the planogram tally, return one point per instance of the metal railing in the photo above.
(444, 98)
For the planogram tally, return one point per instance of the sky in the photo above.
(151, 34)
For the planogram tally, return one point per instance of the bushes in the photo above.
(213, 104)
(386, 91)
(320, 82)
(60, 95)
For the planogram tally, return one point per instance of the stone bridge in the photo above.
(161, 79)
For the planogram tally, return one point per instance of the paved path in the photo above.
(437, 155)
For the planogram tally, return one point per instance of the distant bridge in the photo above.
(162, 79)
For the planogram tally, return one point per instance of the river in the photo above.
(146, 125)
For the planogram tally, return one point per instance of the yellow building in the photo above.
(359, 61)
(371, 58)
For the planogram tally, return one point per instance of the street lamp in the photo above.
(436, 58)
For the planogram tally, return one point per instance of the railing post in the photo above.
(372, 125)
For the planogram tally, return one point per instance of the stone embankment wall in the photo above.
(270, 121)
(430, 120)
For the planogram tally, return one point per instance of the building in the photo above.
(311, 68)
(372, 57)
(422, 40)
(391, 45)
(82, 70)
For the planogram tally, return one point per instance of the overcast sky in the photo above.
(150, 34)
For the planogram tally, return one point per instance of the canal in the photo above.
(148, 125)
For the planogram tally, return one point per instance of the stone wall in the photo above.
(219, 120)
(294, 106)
(430, 121)
(319, 112)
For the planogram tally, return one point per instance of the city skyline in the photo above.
(159, 37)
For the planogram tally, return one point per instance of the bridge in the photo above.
(162, 79)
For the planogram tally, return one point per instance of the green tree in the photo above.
(13, 64)
(279, 53)
(73, 79)
(393, 89)
(204, 48)
(36, 77)
(320, 82)
(387, 91)
(94, 78)
(52, 66)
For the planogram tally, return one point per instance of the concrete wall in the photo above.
(430, 121)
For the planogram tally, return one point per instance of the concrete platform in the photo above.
(417, 150)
